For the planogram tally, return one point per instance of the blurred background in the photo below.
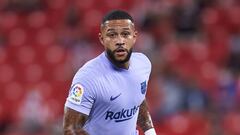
(194, 46)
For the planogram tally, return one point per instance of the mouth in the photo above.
(121, 52)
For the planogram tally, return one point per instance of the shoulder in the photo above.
(89, 72)
(141, 58)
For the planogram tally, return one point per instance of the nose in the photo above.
(120, 41)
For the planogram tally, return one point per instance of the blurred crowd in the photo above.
(194, 47)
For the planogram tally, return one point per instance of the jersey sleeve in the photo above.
(81, 95)
(147, 65)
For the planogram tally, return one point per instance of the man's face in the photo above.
(118, 38)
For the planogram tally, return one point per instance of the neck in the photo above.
(124, 65)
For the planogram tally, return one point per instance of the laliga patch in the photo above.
(76, 94)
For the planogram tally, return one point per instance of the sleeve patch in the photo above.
(76, 93)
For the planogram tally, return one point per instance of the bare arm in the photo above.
(73, 122)
(144, 119)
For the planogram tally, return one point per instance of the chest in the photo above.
(122, 90)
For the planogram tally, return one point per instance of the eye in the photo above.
(111, 34)
(126, 34)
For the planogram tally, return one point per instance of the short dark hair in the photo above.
(117, 15)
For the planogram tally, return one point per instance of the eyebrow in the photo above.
(111, 29)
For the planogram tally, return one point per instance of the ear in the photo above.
(100, 38)
(135, 34)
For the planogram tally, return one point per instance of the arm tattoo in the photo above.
(144, 118)
(73, 122)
